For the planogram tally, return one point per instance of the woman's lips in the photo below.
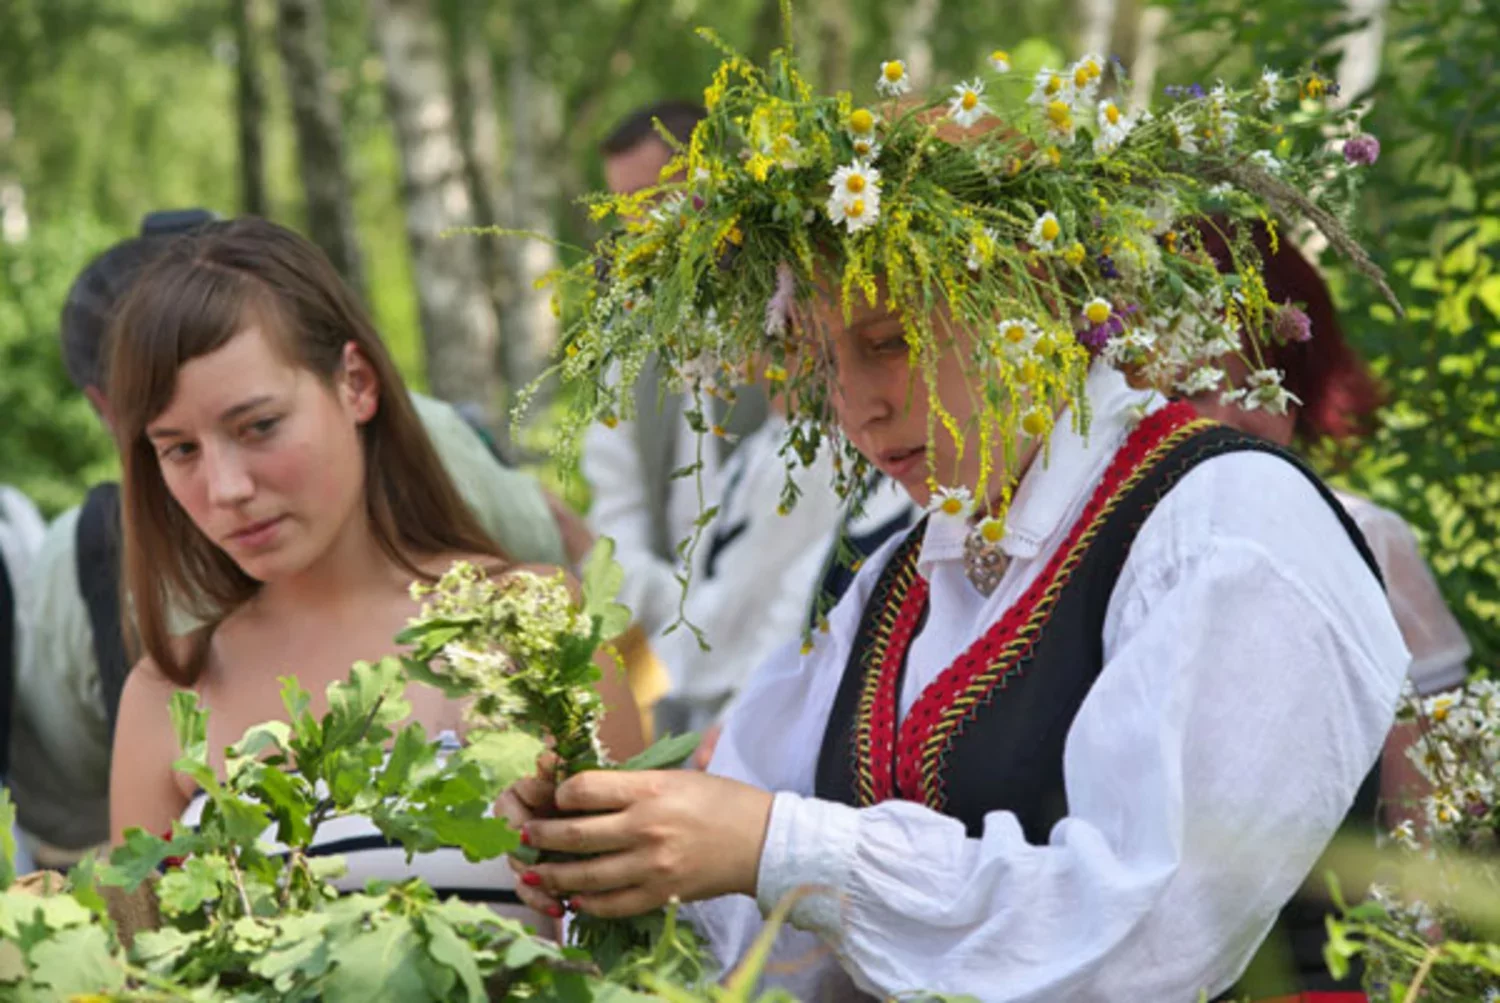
(257, 534)
(902, 464)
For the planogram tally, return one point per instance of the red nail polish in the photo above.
(555, 911)
(573, 906)
(525, 835)
(531, 878)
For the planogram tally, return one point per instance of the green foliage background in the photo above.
(111, 108)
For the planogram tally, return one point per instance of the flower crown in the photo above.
(1071, 231)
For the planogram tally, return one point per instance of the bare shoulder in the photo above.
(148, 680)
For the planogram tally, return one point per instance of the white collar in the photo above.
(1068, 466)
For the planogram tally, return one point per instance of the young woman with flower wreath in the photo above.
(1084, 731)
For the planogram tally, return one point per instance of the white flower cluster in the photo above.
(1069, 98)
(515, 620)
(1459, 757)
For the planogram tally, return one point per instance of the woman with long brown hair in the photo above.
(278, 487)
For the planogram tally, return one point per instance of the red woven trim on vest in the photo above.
(950, 702)
(875, 723)
(886, 696)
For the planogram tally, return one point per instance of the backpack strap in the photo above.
(9, 656)
(99, 562)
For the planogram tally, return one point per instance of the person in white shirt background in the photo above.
(21, 532)
(1147, 777)
(757, 572)
(636, 500)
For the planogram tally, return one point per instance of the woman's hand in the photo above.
(651, 836)
(523, 801)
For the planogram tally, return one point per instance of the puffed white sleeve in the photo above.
(1251, 671)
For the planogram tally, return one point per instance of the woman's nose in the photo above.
(229, 480)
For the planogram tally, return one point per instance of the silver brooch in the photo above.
(984, 562)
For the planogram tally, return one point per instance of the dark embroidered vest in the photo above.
(988, 733)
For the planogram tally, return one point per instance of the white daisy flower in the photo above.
(1222, 190)
(1267, 160)
(1060, 119)
(1000, 61)
(981, 249)
(1201, 381)
(1129, 347)
(1051, 85)
(855, 213)
(956, 503)
(1097, 310)
(967, 106)
(1405, 835)
(1018, 337)
(1086, 74)
(894, 80)
(1114, 127)
(1224, 124)
(866, 150)
(1045, 231)
(1180, 133)
(990, 530)
(856, 180)
(669, 208)
(1264, 390)
(1265, 90)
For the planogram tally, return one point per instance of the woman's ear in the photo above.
(359, 388)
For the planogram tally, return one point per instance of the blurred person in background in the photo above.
(21, 530)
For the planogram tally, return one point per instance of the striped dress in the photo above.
(370, 857)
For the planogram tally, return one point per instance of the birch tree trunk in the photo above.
(914, 39)
(459, 331)
(251, 106)
(302, 37)
(535, 122)
(834, 43)
(1150, 27)
(1096, 25)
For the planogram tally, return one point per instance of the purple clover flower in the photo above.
(1291, 324)
(1098, 335)
(1362, 150)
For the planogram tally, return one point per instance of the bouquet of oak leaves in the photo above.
(217, 912)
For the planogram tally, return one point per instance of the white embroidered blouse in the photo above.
(1252, 665)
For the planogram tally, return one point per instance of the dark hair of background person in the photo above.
(1339, 394)
(97, 290)
(679, 118)
(204, 289)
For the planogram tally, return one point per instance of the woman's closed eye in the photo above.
(260, 428)
(176, 452)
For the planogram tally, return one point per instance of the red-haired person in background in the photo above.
(1338, 399)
